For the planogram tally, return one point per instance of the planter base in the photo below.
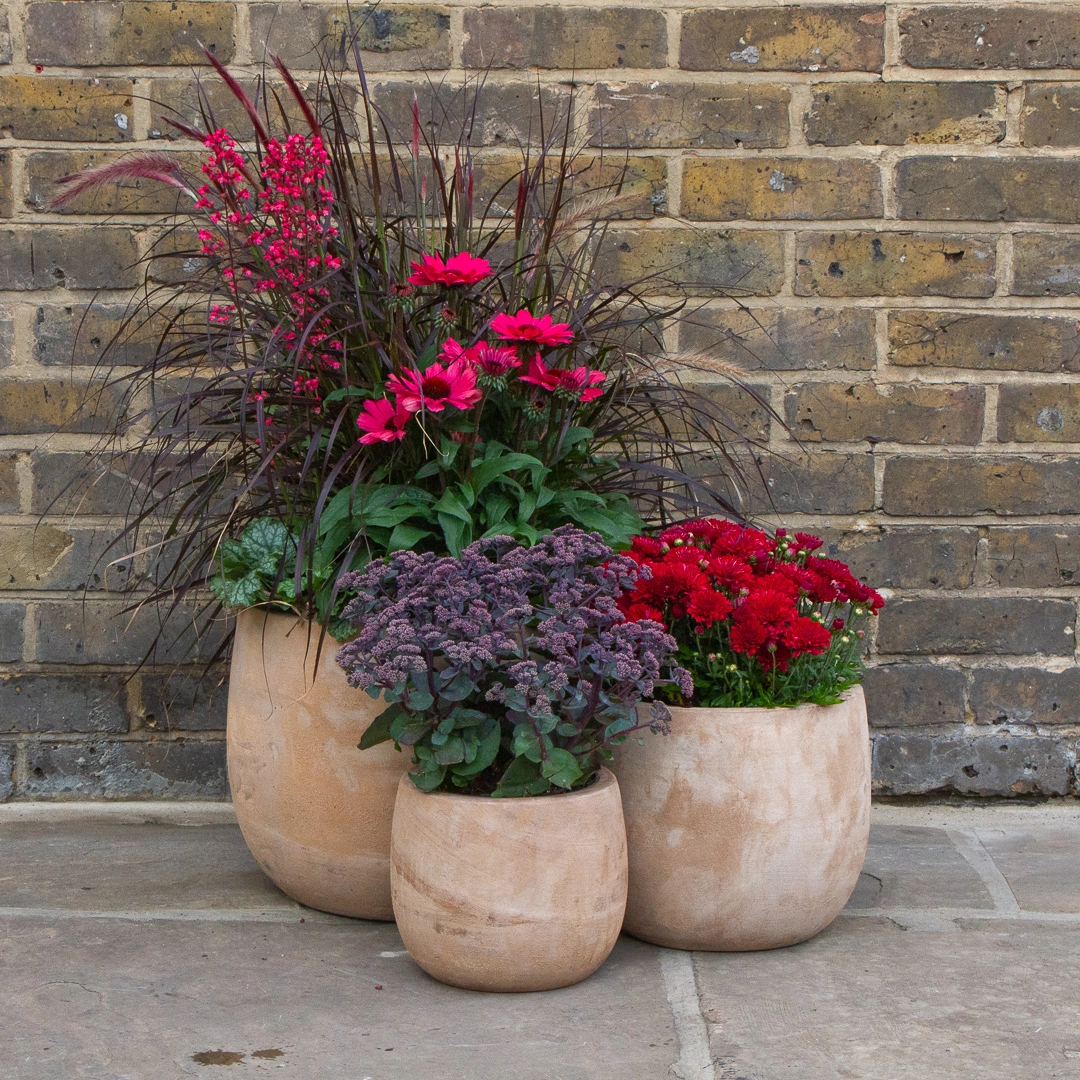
(314, 809)
(509, 895)
(746, 828)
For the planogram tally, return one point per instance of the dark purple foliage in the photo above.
(511, 669)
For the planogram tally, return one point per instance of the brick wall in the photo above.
(890, 191)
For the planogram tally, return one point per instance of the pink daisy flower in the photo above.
(382, 421)
(582, 381)
(526, 327)
(438, 387)
(460, 269)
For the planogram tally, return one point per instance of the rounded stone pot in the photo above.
(746, 828)
(314, 809)
(509, 895)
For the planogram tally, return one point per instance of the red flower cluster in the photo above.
(761, 590)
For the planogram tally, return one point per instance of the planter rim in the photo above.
(765, 710)
(605, 780)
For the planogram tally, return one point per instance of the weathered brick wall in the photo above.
(889, 189)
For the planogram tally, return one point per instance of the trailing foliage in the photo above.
(760, 620)
(510, 671)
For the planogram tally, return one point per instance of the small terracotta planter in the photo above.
(509, 894)
(746, 828)
(314, 810)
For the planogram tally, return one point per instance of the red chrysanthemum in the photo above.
(807, 541)
(730, 573)
(707, 607)
(806, 636)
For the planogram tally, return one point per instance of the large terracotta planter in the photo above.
(746, 828)
(509, 894)
(315, 810)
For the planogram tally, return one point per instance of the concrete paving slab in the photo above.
(1040, 862)
(105, 866)
(914, 866)
(868, 1000)
(338, 998)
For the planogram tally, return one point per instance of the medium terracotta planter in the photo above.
(746, 828)
(509, 894)
(315, 810)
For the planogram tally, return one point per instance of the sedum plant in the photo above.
(510, 671)
(760, 620)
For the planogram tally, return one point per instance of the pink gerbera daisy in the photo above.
(527, 327)
(580, 381)
(438, 387)
(460, 269)
(382, 421)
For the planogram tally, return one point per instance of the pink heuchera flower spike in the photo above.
(579, 380)
(527, 327)
(382, 421)
(460, 269)
(438, 387)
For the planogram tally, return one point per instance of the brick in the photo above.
(104, 632)
(557, 37)
(9, 484)
(79, 483)
(1015, 625)
(743, 410)
(637, 186)
(7, 191)
(894, 113)
(127, 770)
(7, 769)
(7, 339)
(104, 33)
(62, 703)
(11, 631)
(5, 39)
(988, 189)
(88, 334)
(889, 412)
(175, 257)
(67, 110)
(134, 196)
(946, 487)
(187, 99)
(819, 483)
(678, 115)
(796, 38)
(1051, 115)
(94, 257)
(906, 556)
(914, 695)
(1046, 264)
(35, 406)
(390, 37)
(768, 189)
(183, 702)
(493, 115)
(1039, 413)
(701, 263)
(912, 763)
(1034, 556)
(976, 38)
(45, 556)
(794, 339)
(1026, 696)
(983, 341)
(894, 264)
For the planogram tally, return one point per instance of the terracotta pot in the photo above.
(315, 810)
(746, 828)
(509, 894)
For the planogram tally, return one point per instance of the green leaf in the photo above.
(456, 533)
(378, 731)
(562, 768)
(344, 392)
(451, 752)
(419, 700)
(523, 777)
(490, 470)
(265, 544)
(429, 779)
(526, 743)
(458, 689)
(486, 752)
(452, 505)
